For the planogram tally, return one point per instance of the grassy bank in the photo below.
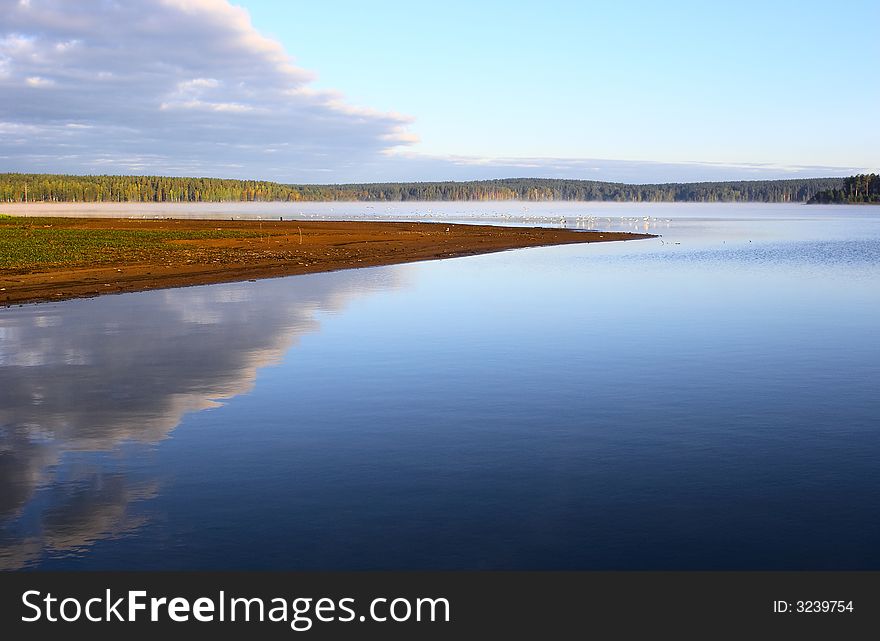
(27, 243)
(56, 258)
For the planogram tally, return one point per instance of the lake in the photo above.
(704, 400)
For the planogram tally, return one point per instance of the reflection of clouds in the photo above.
(92, 510)
(129, 367)
(24, 460)
(80, 513)
(89, 375)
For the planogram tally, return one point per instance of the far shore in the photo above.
(50, 259)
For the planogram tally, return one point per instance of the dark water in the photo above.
(707, 404)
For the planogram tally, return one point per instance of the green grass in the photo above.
(26, 243)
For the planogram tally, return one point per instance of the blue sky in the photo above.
(387, 90)
(774, 82)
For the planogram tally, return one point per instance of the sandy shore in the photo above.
(274, 249)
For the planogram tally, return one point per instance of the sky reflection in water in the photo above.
(704, 400)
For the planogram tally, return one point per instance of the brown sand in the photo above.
(287, 248)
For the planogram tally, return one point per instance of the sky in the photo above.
(339, 91)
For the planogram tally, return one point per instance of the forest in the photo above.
(16, 187)
(863, 188)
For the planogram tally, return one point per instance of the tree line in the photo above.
(68, 188)
(862, 188)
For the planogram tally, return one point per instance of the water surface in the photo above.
(703, 400)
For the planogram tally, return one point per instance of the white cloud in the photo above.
(37, 81)
(197, 83)
(234, 107)
(169, 86)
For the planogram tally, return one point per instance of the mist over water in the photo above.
(702, 400)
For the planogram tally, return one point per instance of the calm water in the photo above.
(704, 400)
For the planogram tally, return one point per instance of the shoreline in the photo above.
(201, 252)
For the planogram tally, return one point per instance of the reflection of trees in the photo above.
(90, 375)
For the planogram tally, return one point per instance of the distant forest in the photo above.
(864, 188)
(62, 188)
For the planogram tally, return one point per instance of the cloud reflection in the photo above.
(85, 377)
